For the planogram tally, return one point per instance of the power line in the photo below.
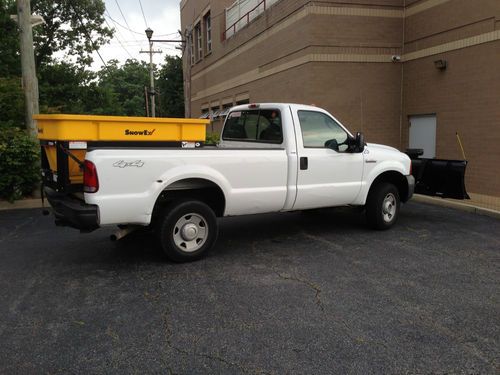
(107, 14)
(133, 31)
(119, 24)
(119, 41)
(143, 16)
(87, 33)
(171, 34)
(123, 16)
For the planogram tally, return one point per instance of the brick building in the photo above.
(405, 72)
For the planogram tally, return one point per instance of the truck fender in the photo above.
(188, 172)
(378, 170)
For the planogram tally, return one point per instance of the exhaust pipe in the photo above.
(122, 232)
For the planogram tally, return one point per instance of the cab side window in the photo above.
(263, 126)
(318, 129)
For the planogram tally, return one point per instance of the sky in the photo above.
(162, 16)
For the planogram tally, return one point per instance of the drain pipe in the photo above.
(401, 104)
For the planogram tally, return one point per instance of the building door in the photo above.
(423, 134)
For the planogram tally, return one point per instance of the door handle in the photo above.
(303, 163)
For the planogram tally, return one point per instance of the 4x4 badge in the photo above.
(123, 164)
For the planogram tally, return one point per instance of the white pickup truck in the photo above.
(271, 158)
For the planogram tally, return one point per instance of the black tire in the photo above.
(187, 230)
(382, 206)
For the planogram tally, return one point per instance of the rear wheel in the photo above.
(187, 230)
(382, 206)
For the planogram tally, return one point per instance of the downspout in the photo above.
(402, 79)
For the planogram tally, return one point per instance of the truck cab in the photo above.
(327, 164)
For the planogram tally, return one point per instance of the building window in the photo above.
(199, 41)
(191, 46)
(208, 33)
(242, 12)
(243, 101)
(205, 113)
(214, 113)
(225, 110)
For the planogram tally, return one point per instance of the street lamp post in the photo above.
(149, 34)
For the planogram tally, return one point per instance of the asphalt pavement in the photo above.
(293, 293)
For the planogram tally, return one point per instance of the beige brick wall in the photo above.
(466, 96)
(337, 55)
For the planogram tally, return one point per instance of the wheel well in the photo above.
(395, 178)
(200, 189)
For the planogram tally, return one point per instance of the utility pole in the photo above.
(149, 34)
(147, 100)
(188, 37)
(152, 79)
(30, 82)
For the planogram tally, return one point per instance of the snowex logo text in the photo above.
(139, 132)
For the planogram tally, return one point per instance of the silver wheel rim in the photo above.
(389, 207)
(190, 232)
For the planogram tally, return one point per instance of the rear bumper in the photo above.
(411, 187)
(72, 212)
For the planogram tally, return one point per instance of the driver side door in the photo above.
(325, 177)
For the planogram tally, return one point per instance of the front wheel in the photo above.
(187, 231)
(382, 206)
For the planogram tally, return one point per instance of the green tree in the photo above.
(19, 166)
(99, 100)
(63, 87)
(171, 87)
(72, 26)
(11, 102)
(127, 83)
(10, 63)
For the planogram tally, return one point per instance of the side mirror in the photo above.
(359, 144)
(332, 144)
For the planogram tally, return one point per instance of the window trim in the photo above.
(207, 25)
(256, 140)
(191, 46)
(327, 115)
(198, 36)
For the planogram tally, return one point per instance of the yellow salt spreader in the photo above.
(65, 139)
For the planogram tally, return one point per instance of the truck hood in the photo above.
(376, 146)
(383, 154)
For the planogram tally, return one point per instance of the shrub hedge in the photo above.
(19, 163)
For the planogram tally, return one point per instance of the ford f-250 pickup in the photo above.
(271, 158)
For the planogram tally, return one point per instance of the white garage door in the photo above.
(423, 134)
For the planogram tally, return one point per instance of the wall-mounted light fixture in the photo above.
(441, 64)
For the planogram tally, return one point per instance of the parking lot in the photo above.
(291, 293)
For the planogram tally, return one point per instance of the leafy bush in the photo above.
(19, 163)
(212, 139)
(11, 101)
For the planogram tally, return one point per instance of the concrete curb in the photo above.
(22, 204)
(457, 205)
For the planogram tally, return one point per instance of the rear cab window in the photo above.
(254, 125)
